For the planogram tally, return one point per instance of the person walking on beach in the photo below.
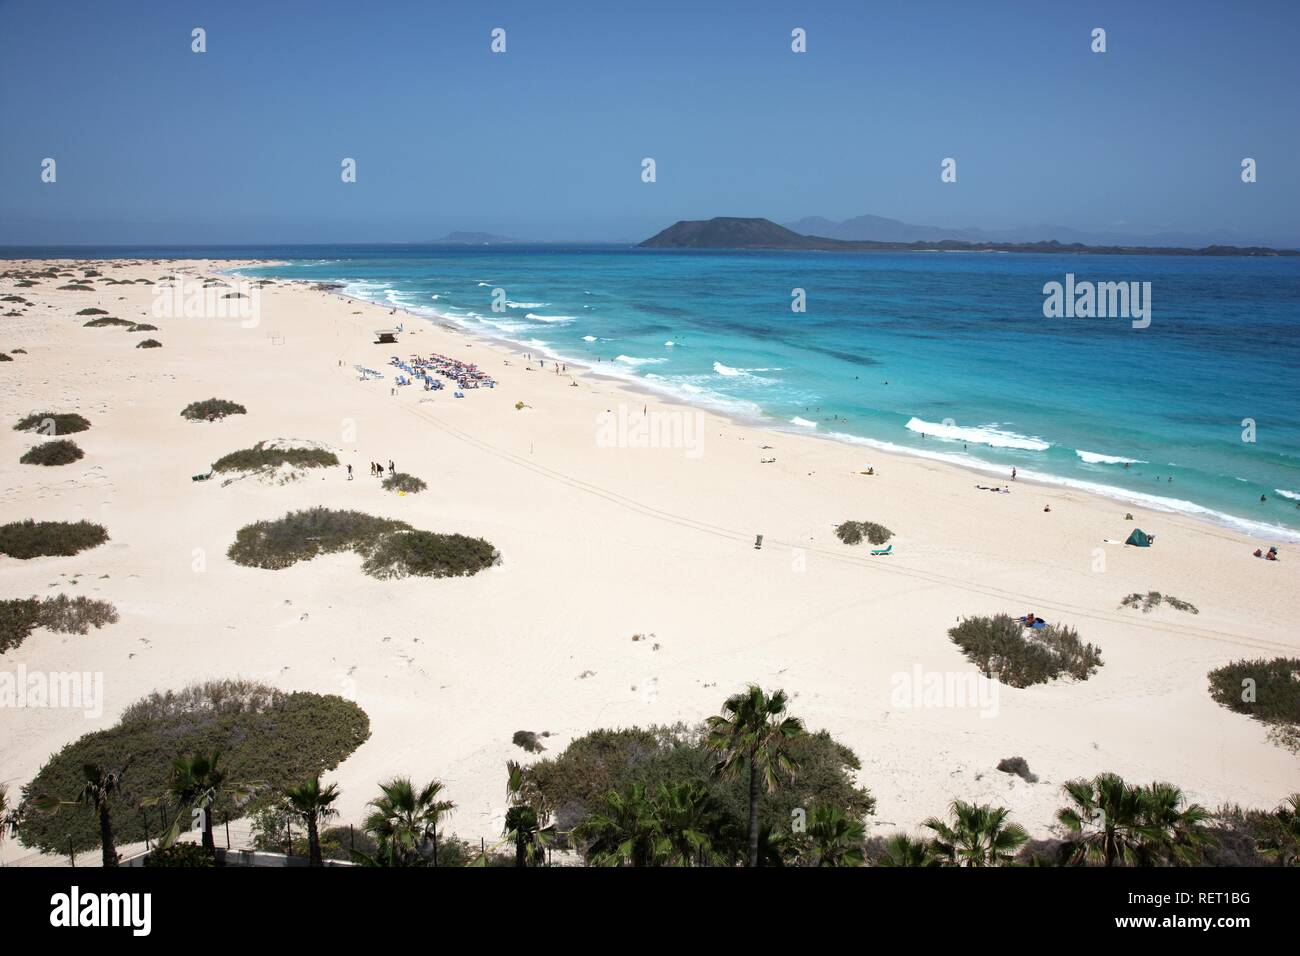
(349, 472)
(1013, 474)
(392, 469)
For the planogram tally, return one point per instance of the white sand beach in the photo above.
(599, 543)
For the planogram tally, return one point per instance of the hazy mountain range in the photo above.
(879, 229)
(731, 232)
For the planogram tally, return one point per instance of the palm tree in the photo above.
(775, 846)
(691, 821)
(903, 850)
(1105, 821)
(198, 783)
(526, 823)
(8, 817)
(753, 734)
(979, 835)
(98, 789)
(313, 803)
(405, 822)
(1177, 833)
(1282, 834)
(626, 831)
(836, 839)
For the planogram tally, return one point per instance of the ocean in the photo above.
(944, 355)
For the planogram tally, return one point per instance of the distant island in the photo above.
(473, 238)
(728, 232)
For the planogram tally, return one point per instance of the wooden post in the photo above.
(227, 831)
(72, 854)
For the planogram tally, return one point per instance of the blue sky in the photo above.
(243, 143)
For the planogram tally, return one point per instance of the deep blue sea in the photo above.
(947, 355)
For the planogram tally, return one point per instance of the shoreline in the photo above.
(759, 419)
(599, 544)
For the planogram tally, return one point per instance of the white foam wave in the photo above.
(589, 338)
(989, 435)
(537, 317)
(526, 305)
(635, 362)
(1293, 495)
(1097, 458)
(802, 422)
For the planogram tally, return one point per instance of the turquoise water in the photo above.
(946, 355)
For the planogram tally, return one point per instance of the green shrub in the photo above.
(1004, 648)
(852, 532)
(61, 452)
(211, 409)
(1268, 690)
(1153, 599)
(389, 548)
(53, 423)
(62, 614)
(528, 740)
(181, 854)
(143, 327)
(302, 535)
(265, 736)
(404, 482)
(259, 457)
(93, 312)
(106, 322)
(149, 344)
(276, 830)
(33, 539)
(18, 618)
(4, 357)
(1019, 766)
(575, 782)
(426, 554)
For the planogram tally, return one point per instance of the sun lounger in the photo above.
(202, 477)
(886, 550)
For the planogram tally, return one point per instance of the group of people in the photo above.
(1270, 555)
(377, 470)
(464, 374)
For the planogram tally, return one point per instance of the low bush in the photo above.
(93, 312)
(1004, 648)
(1019, 766)
(260, 457)
(61, 614)
(61, 452)
(149, 344)
(266, 737)
(1268, 690)
(852, 532)
(404, 482)
(426, 554)
(390, 549)
(527, 740)
(53, 423)
(1153, 599)
(211, 409)
(143, 327)
(575, 782)
(108, 321)
(33, 539)
(190, 855)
